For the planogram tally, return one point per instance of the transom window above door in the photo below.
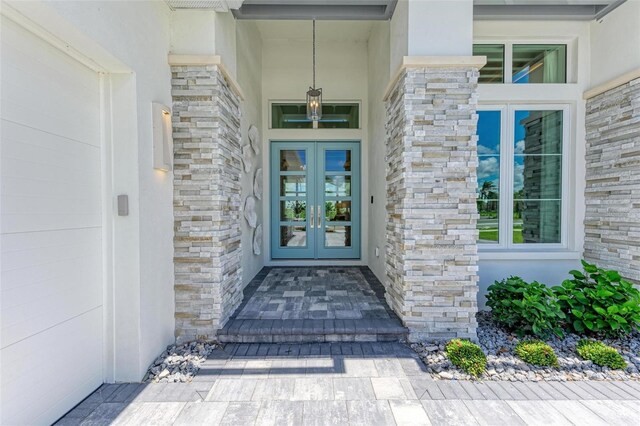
(337, 115)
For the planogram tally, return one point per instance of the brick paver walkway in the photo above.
(350, 383)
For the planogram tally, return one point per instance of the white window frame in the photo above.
(508, 56)
(507, 158)
(303, 101)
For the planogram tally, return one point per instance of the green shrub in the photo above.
(467, 355)
(525, 308)
(537, 353)
(600, 354)
(599, 302)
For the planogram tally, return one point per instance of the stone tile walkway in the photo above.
(349, 383)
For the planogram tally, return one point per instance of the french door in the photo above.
(315, 200)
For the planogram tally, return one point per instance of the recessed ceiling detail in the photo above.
(215, 5)
(336, 10)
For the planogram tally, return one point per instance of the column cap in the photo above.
(434, 62)
(203, 60)
(611, 84)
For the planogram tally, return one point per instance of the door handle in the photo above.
(319, 216)
(311, 222)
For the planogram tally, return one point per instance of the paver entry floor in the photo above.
(315, 293)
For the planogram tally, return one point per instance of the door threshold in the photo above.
(316, 262)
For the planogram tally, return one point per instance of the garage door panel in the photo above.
(62, 96)
(45, 284)
(51, 314)
(47, 374)
(49, 182)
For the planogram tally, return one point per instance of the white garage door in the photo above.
(51, 284)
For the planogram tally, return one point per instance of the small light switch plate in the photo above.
(123, 205)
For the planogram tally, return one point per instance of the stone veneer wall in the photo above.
(207, 166)
(431, 160)
(612, 221)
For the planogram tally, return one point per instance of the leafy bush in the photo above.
(467, 355)
(600, 354)
(525, 308)
(599, 302)
(537, 353)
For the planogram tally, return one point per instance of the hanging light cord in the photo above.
(314, 53)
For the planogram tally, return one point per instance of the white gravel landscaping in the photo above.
(502, 364)
(179, 363)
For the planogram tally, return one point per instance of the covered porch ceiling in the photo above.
(369, 10)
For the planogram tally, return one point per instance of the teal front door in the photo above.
(315, 200)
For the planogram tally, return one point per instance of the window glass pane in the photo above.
(537, 178)
(293, 186)
(493, 72)
(488, 191)
(334, 116)
(337, 186)
(539, 63)
(338, 160)
(293, 211)
(536, 221)
(337, 236)
(293, 236)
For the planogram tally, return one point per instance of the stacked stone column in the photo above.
(431, 157)
(207, 166)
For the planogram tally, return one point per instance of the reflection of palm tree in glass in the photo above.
(487, 192)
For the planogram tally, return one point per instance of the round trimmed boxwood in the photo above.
(467, 356)
(536, 352)
(601, 354)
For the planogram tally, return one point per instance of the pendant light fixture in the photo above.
(314, 96)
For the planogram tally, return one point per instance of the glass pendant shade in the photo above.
(314, 104)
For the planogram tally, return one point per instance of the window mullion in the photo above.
(508, 63)
(507, 205)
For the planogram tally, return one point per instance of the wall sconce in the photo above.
(162, 137)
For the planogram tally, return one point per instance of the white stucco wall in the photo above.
(342, 74)
(378, 51)
(249, 63)
(615, 43)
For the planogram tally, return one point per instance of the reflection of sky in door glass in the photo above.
(338, 161)
(292, 161)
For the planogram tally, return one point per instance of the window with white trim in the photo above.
(522, 175)
(523, 63)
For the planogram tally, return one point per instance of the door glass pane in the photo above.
(338, 160)
(293, 236)
(337, 186)
(493, 71)
(293, 160)
(539, 63)
(338, 211)
(488, 190)
(293, 186)
(291, 211)
(337, 236)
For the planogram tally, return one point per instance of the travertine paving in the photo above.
(368, 383)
